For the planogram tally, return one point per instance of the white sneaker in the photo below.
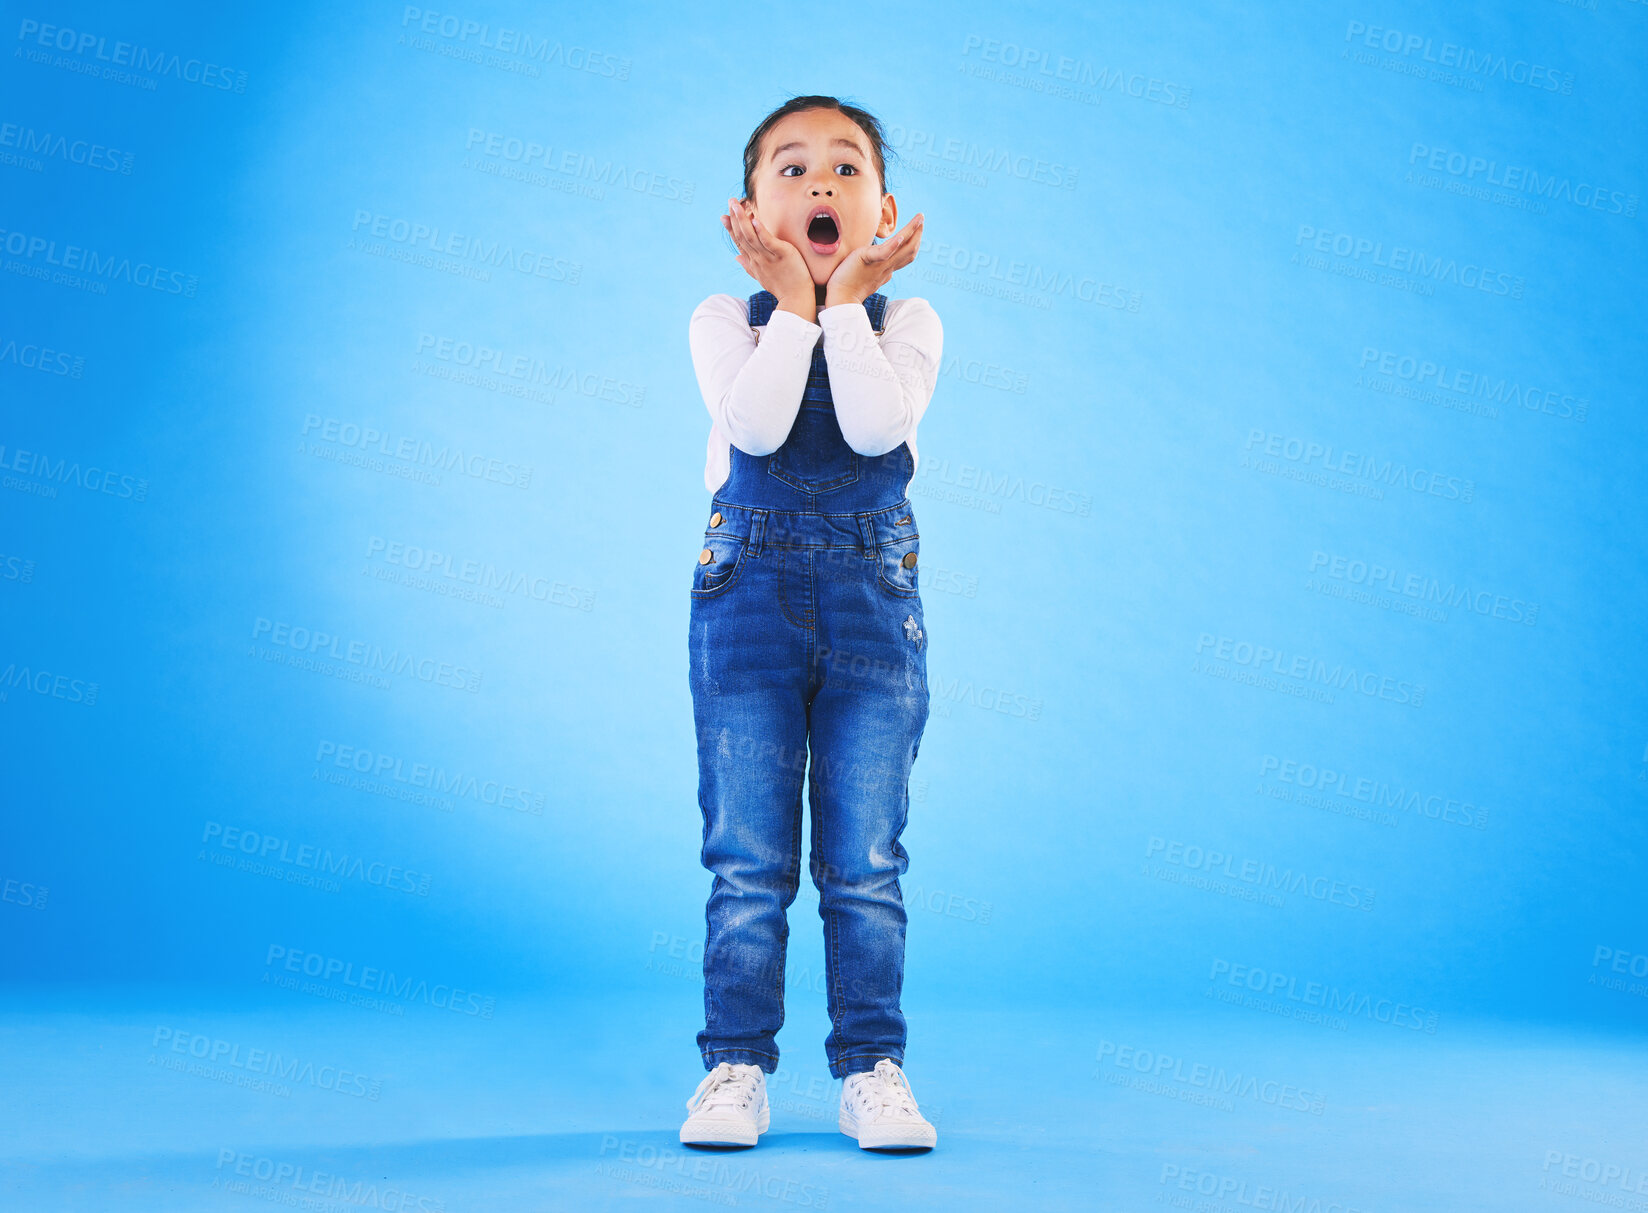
(880, 1110)
(729, 1108)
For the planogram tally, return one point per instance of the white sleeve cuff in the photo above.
(787, 326)
(838, 314)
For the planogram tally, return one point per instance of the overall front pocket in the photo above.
(815, 458)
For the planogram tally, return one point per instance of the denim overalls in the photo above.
(807, 637)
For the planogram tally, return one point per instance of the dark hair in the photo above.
(866, 122)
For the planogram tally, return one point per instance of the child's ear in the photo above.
(889, 217)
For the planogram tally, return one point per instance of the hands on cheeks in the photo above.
(780, 268)
(776, 264)
(864, 271)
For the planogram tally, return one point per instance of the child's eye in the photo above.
(852, 169)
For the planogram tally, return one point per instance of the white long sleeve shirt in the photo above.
(879, 386)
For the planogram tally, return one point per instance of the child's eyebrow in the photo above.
(837, 141)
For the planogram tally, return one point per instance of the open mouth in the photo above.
(823, 230)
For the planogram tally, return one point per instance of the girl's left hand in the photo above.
(864, 271)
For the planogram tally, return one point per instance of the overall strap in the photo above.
(762, 304)
(876, 305)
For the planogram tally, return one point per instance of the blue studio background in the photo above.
(1283, 562)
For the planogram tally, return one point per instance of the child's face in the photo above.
(819, 159)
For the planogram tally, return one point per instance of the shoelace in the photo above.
(724, 1087)
(886, 1091)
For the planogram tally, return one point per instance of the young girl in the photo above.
(806, 627)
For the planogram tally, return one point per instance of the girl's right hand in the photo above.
(776, 264)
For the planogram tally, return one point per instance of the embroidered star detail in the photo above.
(910, 629)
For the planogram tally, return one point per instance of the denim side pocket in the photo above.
(716, 574)
(897, 570)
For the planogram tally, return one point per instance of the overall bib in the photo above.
(808, 658)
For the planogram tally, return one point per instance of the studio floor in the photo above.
(165, 1100)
